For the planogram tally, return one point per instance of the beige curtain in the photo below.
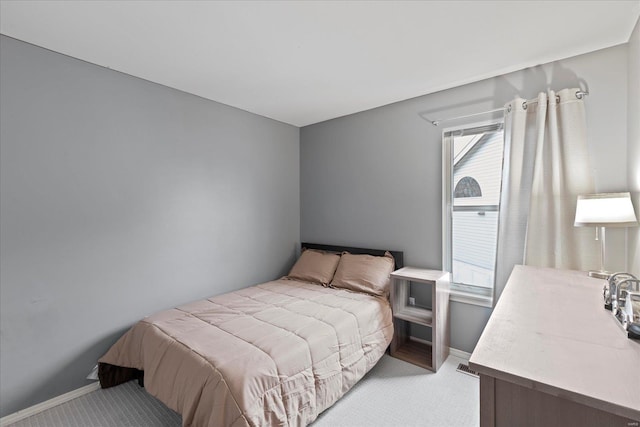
(546, 166)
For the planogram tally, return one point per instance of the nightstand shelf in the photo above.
(415, 352)
(421, 316)
(403, 346)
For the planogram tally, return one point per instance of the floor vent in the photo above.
(465, 369)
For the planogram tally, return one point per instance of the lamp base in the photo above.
(600, 274)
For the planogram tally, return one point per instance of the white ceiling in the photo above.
(302, 62)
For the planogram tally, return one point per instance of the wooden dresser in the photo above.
(551, 355)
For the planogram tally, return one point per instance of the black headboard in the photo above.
(398, 256)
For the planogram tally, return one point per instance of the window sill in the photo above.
(469, 298)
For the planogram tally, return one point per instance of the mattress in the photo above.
(277, 353)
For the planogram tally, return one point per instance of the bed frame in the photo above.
(398, 256)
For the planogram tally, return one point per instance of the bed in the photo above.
(277, 353)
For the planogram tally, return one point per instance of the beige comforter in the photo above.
(276, 354)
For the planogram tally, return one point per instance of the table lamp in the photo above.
(604, 210)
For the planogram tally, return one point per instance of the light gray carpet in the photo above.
(399, 394)
(393, 394)
(127, 405)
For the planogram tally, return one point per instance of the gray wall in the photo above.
(633, 155)
(374, 178)
(120, 197)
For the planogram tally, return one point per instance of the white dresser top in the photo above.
(550, 332)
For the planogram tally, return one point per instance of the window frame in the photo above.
(460, 292)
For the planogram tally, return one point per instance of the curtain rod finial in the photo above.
(581, 94)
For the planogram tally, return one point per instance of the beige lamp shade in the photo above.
(605, 210)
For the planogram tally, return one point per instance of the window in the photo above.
(472, 168)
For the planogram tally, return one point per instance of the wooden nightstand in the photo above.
(430, 356)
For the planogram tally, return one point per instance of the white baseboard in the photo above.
(459, 353)
(48, 404)
(452, 351)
